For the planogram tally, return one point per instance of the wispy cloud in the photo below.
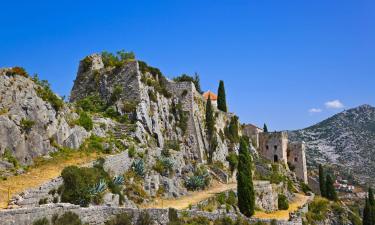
(335, 104)
(315, 110)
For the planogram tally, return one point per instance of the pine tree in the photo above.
(265, 128)
(221, 98)
(367, 214)
(245, 188)
(330, 189)
(211, 130)
(322, 183)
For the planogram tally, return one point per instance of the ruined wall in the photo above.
(297, 159)
(273, 146)
(252, 132)
(99, 215)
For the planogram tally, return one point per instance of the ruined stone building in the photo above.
(276, 147)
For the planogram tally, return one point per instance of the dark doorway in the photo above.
(275, 158)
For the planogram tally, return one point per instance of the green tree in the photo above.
(211, 130)
(330, 189)
(245, 188)
(265, 128)
(368, 214)
(221, 98)
(322, 183)
(371, 197)
(232, 131)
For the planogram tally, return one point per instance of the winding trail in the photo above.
(40, 174)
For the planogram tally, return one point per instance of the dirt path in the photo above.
(192, 198)
(297, 202)
(40, 174)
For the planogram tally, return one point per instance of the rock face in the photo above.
(346, 140)
(165, 110)
(28, 124)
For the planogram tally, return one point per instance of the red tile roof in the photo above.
(212, 96)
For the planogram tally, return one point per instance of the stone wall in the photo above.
(297, 159)
(273, 146)
(252, 132)
(99, 215)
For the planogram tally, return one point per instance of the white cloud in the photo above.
(315, 110)
(335, 104)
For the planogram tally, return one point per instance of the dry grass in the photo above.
(43, 171)
(192, 198)
(297, 202)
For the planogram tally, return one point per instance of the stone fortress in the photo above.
(276, 147)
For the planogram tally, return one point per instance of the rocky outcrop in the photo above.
(28, 124)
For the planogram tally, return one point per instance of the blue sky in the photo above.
(287, 63)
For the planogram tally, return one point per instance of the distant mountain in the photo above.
(346, 141)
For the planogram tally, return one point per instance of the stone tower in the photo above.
(275, 146)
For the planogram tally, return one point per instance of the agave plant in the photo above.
(99, 188)
(118, 180)
(138, 166)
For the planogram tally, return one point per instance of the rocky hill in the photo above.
(346, 140)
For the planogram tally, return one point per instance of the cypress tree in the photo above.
(371, 197)
(330, 189)
(211, 130)
(265, 128)
(221, 98)
(367, 214)
(245, 188)
(322, 183)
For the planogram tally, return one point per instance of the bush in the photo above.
(8, 156)
(132, 152)
(43, 221)
(130, 106)
(44, 92)
(172, 144)
(67, 218)
(85, 121)
(200, 180)
(232, 159)
(121, 219)
(17, 71)
(283, 202)
(26, 125)
(121, 57)
(43, 201)
(91, 103)
(224, 221)
(164, 166)
(144, 219)
(116, 94)
(152, 96)
(78, 183)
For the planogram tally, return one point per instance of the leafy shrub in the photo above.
(318, 210)
(283, 202)
(232, 198)
(221, 198)
(144, 219)
(224, 221)
(305, 188)
(130, 106)
(8, 156)
(138, 167)
(121, 57)
(116, 94)
(26, 125)
(78, 183)
(132, 152)
(172, 144)
(94, 143)
(43, 221)
(121, 219)
(91, 103)
(86, 63)
(68, 218)
(17, 71)
(44, 92)
(232, 159)
(163, 166)
(152, 96)
(43, 201)
(85, 121)
(232, 130)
